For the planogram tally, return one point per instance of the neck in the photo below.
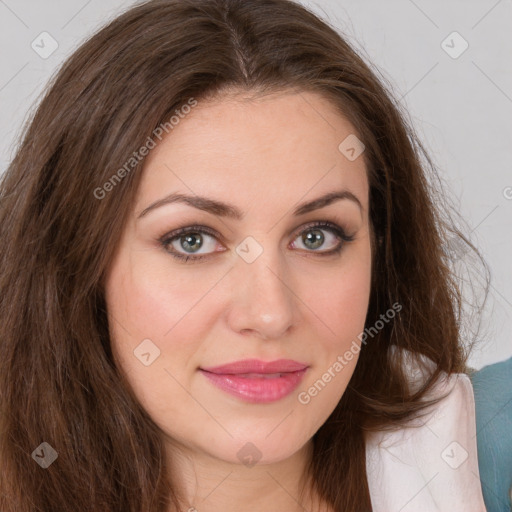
(208, 484)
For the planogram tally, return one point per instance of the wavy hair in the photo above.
(58, 380)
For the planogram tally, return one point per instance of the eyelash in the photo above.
(168, 238)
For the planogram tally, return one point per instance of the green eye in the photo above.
(191, 239)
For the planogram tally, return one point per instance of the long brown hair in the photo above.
(60, 225)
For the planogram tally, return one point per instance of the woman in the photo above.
(224, 280)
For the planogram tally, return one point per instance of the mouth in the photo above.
(257, 381)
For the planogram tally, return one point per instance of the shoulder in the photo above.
(431, 464)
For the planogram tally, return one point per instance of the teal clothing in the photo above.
(492, 386)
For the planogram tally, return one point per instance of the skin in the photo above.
(264, 156)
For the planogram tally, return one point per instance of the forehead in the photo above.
(284, 147)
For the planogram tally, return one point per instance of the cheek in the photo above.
(156, 311)
(341, 302)
(342, 312)
(339, 309)
(144, 318)
(146, 298)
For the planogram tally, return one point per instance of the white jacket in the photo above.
(432, 468)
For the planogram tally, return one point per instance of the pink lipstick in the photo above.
(257, 381)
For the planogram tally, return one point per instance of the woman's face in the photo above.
(270, 285)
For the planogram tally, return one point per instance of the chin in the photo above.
(259, 447)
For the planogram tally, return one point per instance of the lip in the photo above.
(257, 366)
(257, 381)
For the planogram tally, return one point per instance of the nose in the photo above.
(263, 302)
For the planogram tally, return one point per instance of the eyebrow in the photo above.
(227, 210)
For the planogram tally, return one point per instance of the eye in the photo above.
(189, 239)
(185, 243)
(313, 237)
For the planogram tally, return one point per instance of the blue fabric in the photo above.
(492, 386)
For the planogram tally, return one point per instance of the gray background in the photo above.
(461, 107)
